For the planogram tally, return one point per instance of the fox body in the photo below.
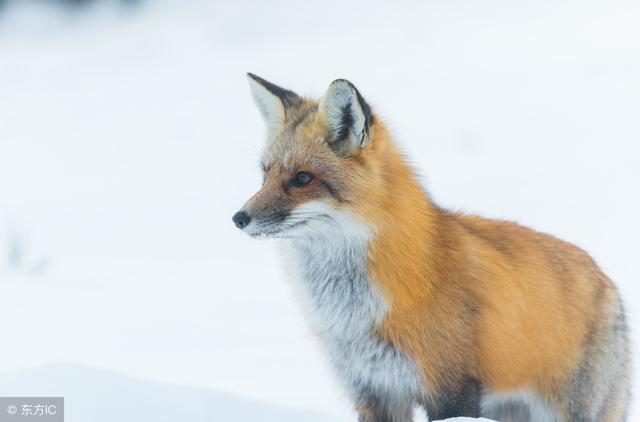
(417, 306)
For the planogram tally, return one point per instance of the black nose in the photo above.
(242, 219)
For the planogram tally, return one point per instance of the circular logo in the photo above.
(12, 409)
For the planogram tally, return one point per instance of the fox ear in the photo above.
(272, 101)
(348, 117)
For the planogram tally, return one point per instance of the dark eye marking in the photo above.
(302, 178)
(333, 191)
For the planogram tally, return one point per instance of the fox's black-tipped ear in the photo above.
(272, 101)
(348, 116)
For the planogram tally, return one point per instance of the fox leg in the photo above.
(461, 400)
(373, 408)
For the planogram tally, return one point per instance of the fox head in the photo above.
(322, 158)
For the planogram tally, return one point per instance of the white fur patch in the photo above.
(328, 257)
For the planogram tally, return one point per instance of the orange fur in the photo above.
(470, 295)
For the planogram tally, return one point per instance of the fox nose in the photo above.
(241, 219)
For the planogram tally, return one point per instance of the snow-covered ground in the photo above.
(128, 139)
(98, 395)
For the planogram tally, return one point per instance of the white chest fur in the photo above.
(329, 264)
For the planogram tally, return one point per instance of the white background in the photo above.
(128, 139)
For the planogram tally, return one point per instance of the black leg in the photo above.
(463, 400)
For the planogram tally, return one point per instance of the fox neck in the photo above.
(375, 247)
(406, 224)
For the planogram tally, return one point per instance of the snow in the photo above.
(101, 395)
(128, 138)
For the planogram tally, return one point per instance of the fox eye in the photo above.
(303, 178)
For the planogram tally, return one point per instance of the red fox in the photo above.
(418, 306)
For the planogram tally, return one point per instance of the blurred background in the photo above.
(128, 138)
